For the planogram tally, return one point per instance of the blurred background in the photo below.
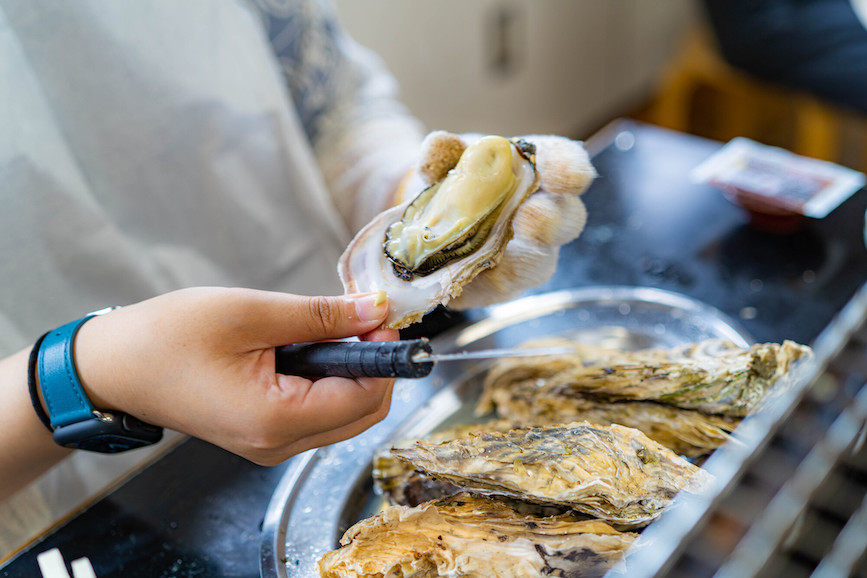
(570, 66)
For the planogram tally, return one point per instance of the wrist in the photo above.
(79, 416)
(101, 368)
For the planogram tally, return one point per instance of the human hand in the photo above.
(201, 361)
(552, 216)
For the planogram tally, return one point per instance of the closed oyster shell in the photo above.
(474, 537)
(423, 251)
(687, 432)
(714, 376)
(612, 472)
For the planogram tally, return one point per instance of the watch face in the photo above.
(118, 434)
(108, 444)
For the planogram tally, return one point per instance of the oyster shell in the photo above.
(612, 472)
(422, 252)
(402, 484)
(714, 376)
(475, 537)
(686, 432)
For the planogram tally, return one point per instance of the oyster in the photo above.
(477, 537)
(399, 481)
(422, 252)
(612, 472)
(686, 432)
(714, 376)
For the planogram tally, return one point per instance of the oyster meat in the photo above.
(475, 537)
(713, 377)
(613, 473)
(422, 252)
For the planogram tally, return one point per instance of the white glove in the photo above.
(549, 218)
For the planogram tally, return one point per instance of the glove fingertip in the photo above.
(550, 219)
(440, 152)
(524, 265)
(563, 164)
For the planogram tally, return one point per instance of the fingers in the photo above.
(563, 164)
(550, 219)
(351, 428)
(279, 318)
(440, 152)
(523, 265)
(381, 335)
(304, 414)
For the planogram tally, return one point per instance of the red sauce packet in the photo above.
(776, 181)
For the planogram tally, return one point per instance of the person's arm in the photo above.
(364, 138)
(201, 361)
(26, 447)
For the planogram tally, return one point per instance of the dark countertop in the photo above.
(198, 510)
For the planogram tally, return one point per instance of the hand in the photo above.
(201, 361)
(549, 218)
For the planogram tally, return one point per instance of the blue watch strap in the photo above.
(61, 388)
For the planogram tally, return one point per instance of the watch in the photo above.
(74, 420)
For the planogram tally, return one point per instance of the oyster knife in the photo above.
(407, 358)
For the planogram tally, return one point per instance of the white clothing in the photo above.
(860, 8)
(151, 145)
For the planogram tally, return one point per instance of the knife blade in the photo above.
(423, 357)
(406, 358)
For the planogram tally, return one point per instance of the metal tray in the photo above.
(326, 490)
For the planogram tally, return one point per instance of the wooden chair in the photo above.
(698, 84)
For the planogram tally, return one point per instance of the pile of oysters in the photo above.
(571, 457)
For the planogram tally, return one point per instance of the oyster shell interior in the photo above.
(423, 252)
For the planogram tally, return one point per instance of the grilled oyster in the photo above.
(474, 537)
(422, 252)
(399, 481)
(686, 432)
(714, 376)
(612, 472)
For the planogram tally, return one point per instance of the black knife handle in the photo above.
(354, 359)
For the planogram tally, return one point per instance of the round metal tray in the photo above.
(326, 490)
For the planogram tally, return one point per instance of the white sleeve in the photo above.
(364, 139)
(860, 9)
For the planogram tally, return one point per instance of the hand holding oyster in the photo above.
(494, 212)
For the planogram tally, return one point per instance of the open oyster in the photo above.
(474, 537)
(613, 473)
(422, 252)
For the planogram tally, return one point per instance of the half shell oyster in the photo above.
(422, 252)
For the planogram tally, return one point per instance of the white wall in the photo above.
(570, 64)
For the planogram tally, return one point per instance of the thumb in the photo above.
(304, 318)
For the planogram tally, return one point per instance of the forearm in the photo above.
(28, 449)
